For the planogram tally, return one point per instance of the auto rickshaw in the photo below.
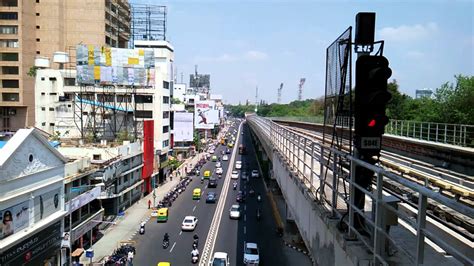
(196, 194)
(164, 264)
(207, 174)
(214, 158)
(162, 215)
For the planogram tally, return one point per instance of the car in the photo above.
(211, 197)
(218, 164)
(212, 182)
(238, 165)
(211, 151)
(189, 223)
(225, 158)
(219, 170)
(222, 152)
(227, 151)
(251, 254)
(244, 175)
(220, 259)
(234, 212)
(255, 174)
(240, 197)
(234, 174)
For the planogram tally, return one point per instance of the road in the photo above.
(230, 234)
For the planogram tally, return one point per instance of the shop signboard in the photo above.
(83, 199)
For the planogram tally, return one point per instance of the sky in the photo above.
(245, 44)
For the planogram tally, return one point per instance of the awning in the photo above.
(78, 252)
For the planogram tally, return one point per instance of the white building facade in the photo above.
(31, 200)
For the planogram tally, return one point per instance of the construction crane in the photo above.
(279, 92)
(300, 89)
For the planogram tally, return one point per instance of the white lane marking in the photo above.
(245, 217)
(194, 208)
(245, 230)
(211, 239)
(180, 232)
(174, 244)
(245, 207)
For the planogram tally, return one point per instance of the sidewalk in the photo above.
(127, 226)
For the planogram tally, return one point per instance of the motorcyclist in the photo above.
(235, 184)
(195, 252)
(202, 179)
(196, 237)
(166, 237)
(258, 214)
(259, 197)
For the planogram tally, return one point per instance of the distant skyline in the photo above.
(244, 44)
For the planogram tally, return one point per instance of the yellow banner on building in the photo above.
(133, 61)
(91, 55)
(108, 56)
(141, 52)
(97, 72)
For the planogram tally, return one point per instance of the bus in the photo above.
(241, 149)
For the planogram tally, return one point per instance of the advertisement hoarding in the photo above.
(14, 219)
(183, 127)
(206, 115)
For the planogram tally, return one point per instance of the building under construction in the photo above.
(148, 23)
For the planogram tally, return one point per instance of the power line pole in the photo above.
(300, 89)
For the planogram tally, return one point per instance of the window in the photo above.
(8, 29)
(124, 98)
(9, 70)
(9, 15)
(69, 81)
(11, 83)
(43, 124)
(37, 14)
(96, 157)
(166, 85)
(10, 97)
(43, 109)
(51, 124)
(9, 43)
(166, 129)
(144, 99)
(51, 109)
(9, 3)
(38, 27)
(144, 114)
(166, 99)
(166, 115)
(166, 143)
(38, 52)
(8, 56)
(53, 93)
(37, 39)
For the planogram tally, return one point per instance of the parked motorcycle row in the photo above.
(120, 255)
(173, 194)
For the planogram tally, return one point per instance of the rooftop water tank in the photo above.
(42, 62)
(60, 57)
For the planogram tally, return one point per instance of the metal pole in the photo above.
(420, 236)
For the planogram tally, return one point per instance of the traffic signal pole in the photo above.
(371, 98)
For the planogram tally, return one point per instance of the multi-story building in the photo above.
(119, 172)
(179, 91)
(31, 200)
(423, 93)
(40, 28)
(83, 206)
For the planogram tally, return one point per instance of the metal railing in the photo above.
(316, 167)
(455, 134)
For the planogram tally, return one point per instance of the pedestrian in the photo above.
(171, 177)
(130, 257)
(149, 204)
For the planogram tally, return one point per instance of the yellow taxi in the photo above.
(196, 194)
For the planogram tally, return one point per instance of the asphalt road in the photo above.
(149, 246)
(231, 233)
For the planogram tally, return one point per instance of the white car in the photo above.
(218, 164)
(238, 164)
(211, 151)
(254, 174)
(251, 255)
(219, 170)
(220, 259)
(235, 174)
(189, 223)
(225, 158)
(234, 212)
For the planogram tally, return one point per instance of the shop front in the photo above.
(41, 248)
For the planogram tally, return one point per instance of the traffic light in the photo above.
(371, 98)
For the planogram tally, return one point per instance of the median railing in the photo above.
(328, 175)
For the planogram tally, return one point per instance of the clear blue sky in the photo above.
(244, 44)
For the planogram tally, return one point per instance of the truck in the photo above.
(241, 149)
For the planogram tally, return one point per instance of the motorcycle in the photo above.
(235, 186)
(142, 229)
(258, 215)
(166, 243)
(194, 258)
(259, 198)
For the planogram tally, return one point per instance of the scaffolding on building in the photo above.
(148, 22)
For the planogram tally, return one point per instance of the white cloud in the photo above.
(408, 32)
(255, 55)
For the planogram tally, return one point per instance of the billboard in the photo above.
(200, 81)
(183, 127)
(206, 115)
(14, 219)
(115, 66)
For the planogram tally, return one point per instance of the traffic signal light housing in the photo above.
(371, 98)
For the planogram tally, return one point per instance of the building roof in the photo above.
(15, 142)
